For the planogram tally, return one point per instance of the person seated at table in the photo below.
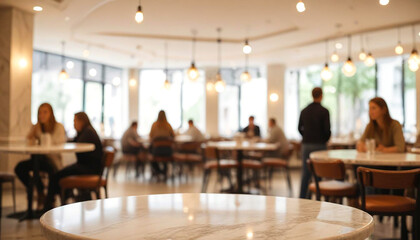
(130, 140)
(161, 129)
(252, 130)
(47, 163)
(194, 132)
(386, 132)
(276, 135)
(87, 162)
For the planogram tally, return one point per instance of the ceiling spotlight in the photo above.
(274, 97)
(139, 14)
(399, 49)
(37, 8)
(132, 82)
(335, 57)
(92, 72)
(300, 6)
(383, 2)
(70, 64)
(247, 49)
(338, 45)
(23, 63)
(370, 60)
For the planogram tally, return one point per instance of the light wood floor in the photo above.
(124, 185)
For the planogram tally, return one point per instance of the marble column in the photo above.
(133, 95)
(275, 85)
(16, 47)
(212, 105)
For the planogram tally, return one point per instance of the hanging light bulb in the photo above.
(335, 57)
(246, 77)
(300, 6)
(362, 55)
(63, 74)
(167, 84)
(247, 49)
(414, 61)
(210, 86)
(370, 60)
(326, 73)
(383, 2)
(349, 69)
(139, 14)
(192, 72)
(399, 49)
(220, 84)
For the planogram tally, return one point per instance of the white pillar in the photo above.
(212, 105)
(418, 100)
(16, 38)
(133, 94)
(275, 85)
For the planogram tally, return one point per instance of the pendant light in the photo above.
(326, 73)
(245, 76)
(399, 49)
(219, 85)
(383, 2)
(166, 84)
(362, 54)
(192, 72)
(247, 49)
(139, 17)
(414, 60)
(370, 60)
(63, 74)
(300, 6)
(349, 69)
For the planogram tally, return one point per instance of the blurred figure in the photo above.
(87, 162)
(314, 126)
(130, 140)
(194, 132)
(387, 132)
(161, 130)
(276, 135)
(47, 163)
(252, 130)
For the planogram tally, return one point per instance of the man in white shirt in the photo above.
(193, 132)
(276, 135)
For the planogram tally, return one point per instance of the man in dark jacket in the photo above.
(314, 126)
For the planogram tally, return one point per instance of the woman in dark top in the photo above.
(87, 162)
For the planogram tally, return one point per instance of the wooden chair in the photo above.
(212, 161)
(162, 153)
(329, 181)
(90, 182)
(187, 155)
(392, 205)
(272, 163)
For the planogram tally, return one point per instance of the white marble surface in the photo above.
(245, 145)
(38, 149)
(206, 216)
(376, 159)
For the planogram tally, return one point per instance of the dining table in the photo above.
(415, 150)
(36, 151)
(205, 216)
(240, 147)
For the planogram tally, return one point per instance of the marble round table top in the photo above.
(39, 149)
(245, 145)
(205, 216)
(376, 159)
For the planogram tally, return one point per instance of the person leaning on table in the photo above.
(49, 163)
(386, 131)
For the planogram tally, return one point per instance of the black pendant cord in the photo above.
(414, 37)
(246, 62)
(166, 60)
(326, 51)
(399, 35)
(219, 55)
(63, 45)
(361, 42)
(349, 46)
(193, 46)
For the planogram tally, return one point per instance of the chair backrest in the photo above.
(162, 146)
(189, 147)
(389, 179)
(210, 153)
(109, 156)
(331, 169)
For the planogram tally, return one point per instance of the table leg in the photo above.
(239, 172)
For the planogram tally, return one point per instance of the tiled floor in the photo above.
(127, 185)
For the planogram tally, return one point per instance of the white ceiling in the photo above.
(278, 33)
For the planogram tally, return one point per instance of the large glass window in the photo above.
(291, 106)
(410, 104)
(194, 102)
(229, 111)
(93, 104)
(254, 102)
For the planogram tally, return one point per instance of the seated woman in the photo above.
(47, 163)
(161, 129)
(386, 131)
(87, 162)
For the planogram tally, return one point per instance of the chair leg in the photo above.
(205, 181)
(289, 182)
(404, 234)
(14, 195)
(63, 196)
(106, 191)
(270, 176)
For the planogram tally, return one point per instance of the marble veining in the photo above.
(376, 159)
(206, 216)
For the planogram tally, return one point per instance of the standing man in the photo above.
(252, 130)
(314, 126)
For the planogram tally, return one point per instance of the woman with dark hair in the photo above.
(87, 162)
(386, 132)
(47, 163)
